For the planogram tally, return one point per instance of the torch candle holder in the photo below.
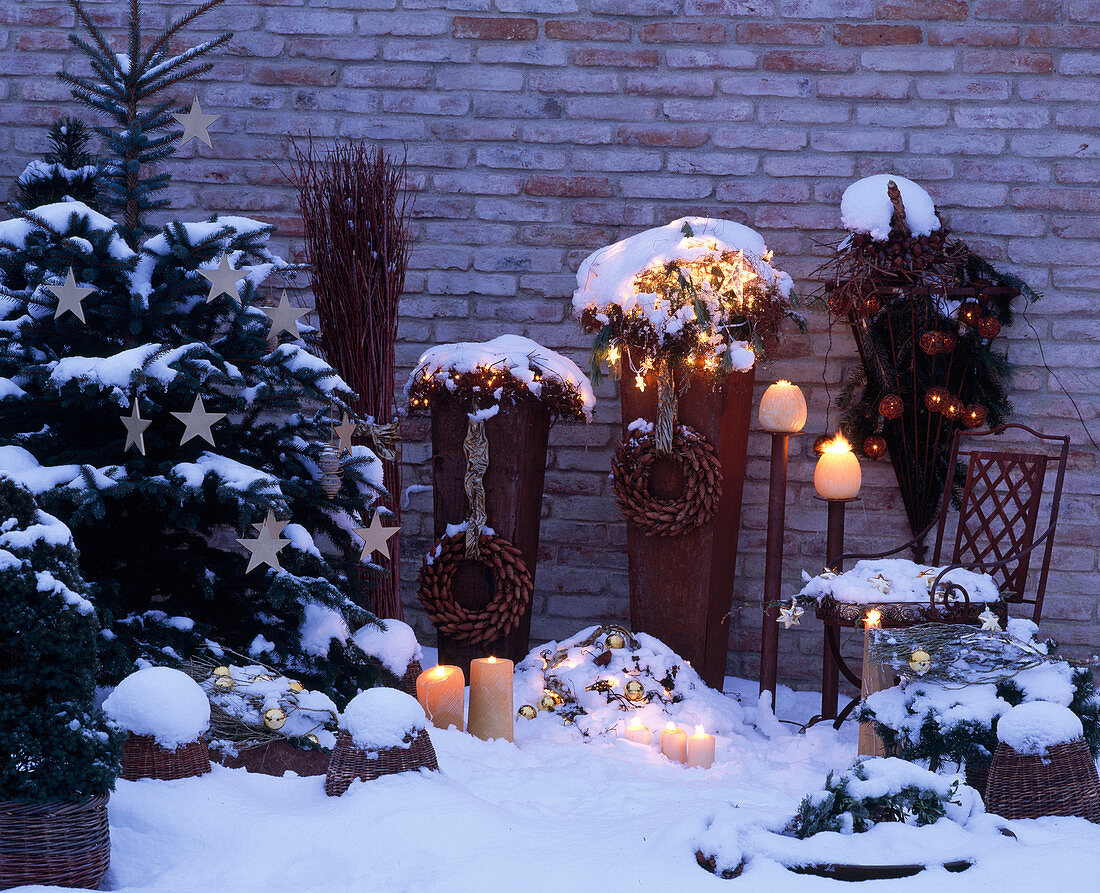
(834, 549)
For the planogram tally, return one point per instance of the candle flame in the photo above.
(492, 660)
(635, 725)
(699, 730)
(783, 383)
(671, 727)
(839, 444)
(440, 672)
(874, 618)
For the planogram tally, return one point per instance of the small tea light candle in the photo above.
(837, 475)
(700, 749)
(674, 743)
(491, 711)
(441, 691)
(638, 733)
(783, 409)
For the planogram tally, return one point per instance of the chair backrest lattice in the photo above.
(998, 519)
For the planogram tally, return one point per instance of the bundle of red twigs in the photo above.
(355, 210)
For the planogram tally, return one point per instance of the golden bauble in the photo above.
(615, 640)
(527, 711)
(263, 677)
(221, 671)
(296, 686)
(548, 702)
(920, 662)
(274, 718)
(313, 739)
(635, 691)
(225, 683)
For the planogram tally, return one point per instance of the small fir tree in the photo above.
(54, 747)
(158, 520)
(67, 170)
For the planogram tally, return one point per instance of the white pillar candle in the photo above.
(638, 733)
(837, 475)
(674, 743)
(441, 691)
(491, 711)
(783, 409)
(700, 750)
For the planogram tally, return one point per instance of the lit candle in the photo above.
(674, 743)
(490, 698)
(783, 409)
(874, 678)
(700, 749)
(638, 733)
(837, 475)
(441, 691)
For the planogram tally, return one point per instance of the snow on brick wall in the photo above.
(538, 130)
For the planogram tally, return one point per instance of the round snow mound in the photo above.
(1035, 726)
(865, 207)
(394, 646)
(382, 717)
(162, 702)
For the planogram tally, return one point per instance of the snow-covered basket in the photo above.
(167, 715)
(393, 646)
(382, 732)
(1042, 765)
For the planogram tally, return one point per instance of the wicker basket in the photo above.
(414, 669)
(1061, 782)
(54, 843)
(350, 763)
(142, 757)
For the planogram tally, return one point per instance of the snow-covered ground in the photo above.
(550, 813)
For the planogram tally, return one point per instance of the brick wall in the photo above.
(538, 130)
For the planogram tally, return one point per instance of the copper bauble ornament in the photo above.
(821, 442)
(891, 407)
(974, 415)
(225, 683)
(931, 342)
(296, 686)
(635, 691)
(527, 711)
(948, 342)
(615, 640)
(953, 408)
(874, 447)
(970, 312)
(989, 327)
(936, 397)
(274, 718)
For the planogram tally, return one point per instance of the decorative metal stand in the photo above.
(831, 666)
(773, 564)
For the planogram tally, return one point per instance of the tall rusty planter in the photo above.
(518, 436)
(681, 587)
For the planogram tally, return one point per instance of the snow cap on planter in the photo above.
(1032, 728)
(382, 717)
(865, 207)
(499, 372)
(393, 644)
(166, 704)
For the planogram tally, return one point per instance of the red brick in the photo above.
(684, 84)
(1056, 198)
(942, 10)
(495, 28)
(663, 137)
(1078, 37)
(1018, 10)
(988, 61)
(864, 86)
(561, 29)
(40, 40)
(785, 35)
(617, 58)
(809, 60)
(972, 35)
(570, 187)
(755, 8)
(877, 35)
(298, 75)
(683, 32)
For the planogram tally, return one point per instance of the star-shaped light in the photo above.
(69, 295)
(135, 429)
(195, 124)
(375, 538)
(223, 279)
(345, 431)
(990, 621)
(879, 582)
(264, 548)
(790, 616)
(198, 421)
(284, 316)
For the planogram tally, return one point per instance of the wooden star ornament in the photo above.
(195, 124)
(790, 616)
(135, 429)
(198, 421)
(223, 279)
(264, 548)
(69, 295)
(284, 316)
(344, 433)
(990, 621)
(375, 538)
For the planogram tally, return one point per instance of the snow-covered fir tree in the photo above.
(112, 328)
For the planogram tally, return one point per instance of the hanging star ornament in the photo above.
(223, 279)
(375, 538)
(790, 616)
(198, 421)
(990, 621)
(69, 295)
(195, 124)
(284, 316)
(344, 432)
(135, 429)
(879, 582)
(264, 548)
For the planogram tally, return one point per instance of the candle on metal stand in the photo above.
(441, 691)
(782, 409)
(674, 743)
(638, 733)
(491, 713)
(700, 749)
(837, 475)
